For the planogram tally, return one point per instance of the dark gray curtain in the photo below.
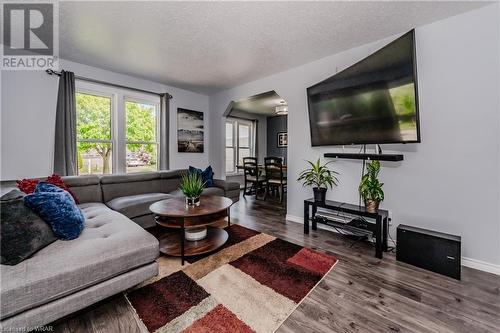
(164, 130)
(65, 161)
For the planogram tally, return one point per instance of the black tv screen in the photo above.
(374, 101)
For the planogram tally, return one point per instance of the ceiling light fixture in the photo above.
(281, 110)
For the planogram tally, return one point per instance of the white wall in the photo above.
(28, 102)
(450, 181)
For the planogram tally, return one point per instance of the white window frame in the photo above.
(90, 90)
(135, 99)
(231, 121)
(236, 141)
(118, 118)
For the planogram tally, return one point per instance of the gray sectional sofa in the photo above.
(112, 254)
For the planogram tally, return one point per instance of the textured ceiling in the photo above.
(211, 46)
(263, 104)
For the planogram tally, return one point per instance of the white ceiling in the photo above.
(262, 104)
(211, 46)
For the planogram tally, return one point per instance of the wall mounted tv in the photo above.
(374, 101)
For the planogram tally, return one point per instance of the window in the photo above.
(117, 131)
(142, 142)
(240, 142)
(230, 147)
(243, 142)
(94, 140)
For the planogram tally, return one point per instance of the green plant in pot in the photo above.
(320, 178)
(370, 187)
(192, 186)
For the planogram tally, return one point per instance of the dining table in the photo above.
(261, 167)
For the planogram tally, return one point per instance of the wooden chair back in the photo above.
(250, 168)
(274, 168)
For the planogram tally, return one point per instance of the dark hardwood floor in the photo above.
(361, 293)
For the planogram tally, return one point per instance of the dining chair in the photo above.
(252, 176)
(275, 177)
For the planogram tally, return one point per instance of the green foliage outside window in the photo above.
(94, 123)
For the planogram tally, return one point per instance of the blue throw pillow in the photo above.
(207, 175)
(57, 207)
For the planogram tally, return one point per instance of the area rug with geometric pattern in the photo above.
(252, 284)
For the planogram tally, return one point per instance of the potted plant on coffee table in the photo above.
(320, 178)
(370, 187)
(192, 186)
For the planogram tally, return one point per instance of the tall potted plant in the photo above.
(320, 178)
(192, 186)
(370, 187)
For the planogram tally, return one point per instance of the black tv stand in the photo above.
(381, 219)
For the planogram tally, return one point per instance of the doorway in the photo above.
(256, 128)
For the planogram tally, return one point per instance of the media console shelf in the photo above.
(364, 156)
(381, 219)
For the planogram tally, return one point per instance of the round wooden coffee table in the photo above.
(175, 213)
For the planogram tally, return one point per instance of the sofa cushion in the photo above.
(122, 185)
(136, 205)
(171, 179)
(111, 244)
(87, 188)
(213, 191)
(172, 174)
(206, 191)
(145, 221)
(226, 185)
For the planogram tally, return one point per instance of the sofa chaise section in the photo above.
(113, 253)
(111, 245)
(132, 194)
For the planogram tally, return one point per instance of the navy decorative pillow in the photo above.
(57, 207)
(207, 175)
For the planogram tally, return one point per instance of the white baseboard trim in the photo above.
(467, 262)
(293, 218)
(481, 265)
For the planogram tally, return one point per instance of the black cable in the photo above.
(362, 173)
(342, 215)
(392, 248)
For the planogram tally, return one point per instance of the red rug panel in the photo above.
(161, 301)
(268, 265)
(219, 320)
(314, 261)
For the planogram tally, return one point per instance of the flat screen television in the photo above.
(374, 101)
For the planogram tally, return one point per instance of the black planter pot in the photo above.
(319, 194)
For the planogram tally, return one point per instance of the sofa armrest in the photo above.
(226, 186)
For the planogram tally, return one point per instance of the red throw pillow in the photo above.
(59, 182)
(28, 185)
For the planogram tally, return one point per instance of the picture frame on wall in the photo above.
(190, 131)
(282, 139)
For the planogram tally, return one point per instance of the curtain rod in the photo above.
(52, 72)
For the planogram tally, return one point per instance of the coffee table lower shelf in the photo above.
(170, 243)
